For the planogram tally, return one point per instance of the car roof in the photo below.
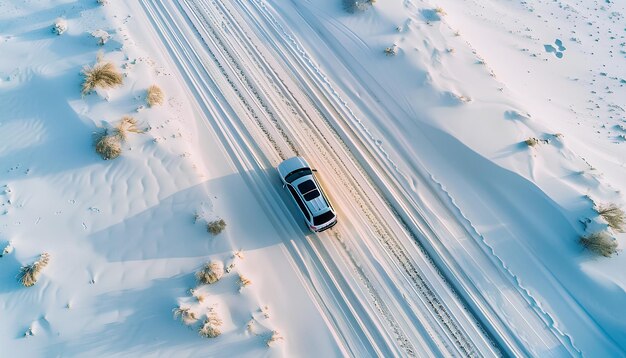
(318, 205)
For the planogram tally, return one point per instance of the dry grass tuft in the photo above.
(126, 125)
(185, 313)
(440, 11)
(275, 337)
(243, 281)
(531, 142)
(392, 50)
(210, 327)
(155, 95)
(101, 75)
(215, 227)
(211, 272)
(60, 26)
(199, 296)
(600, 243)
(614, 216)
(108, 146)
(30, 274)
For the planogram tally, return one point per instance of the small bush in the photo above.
(101, 75)
(440, 11)
(600, 243)
(391, 51)
(154, 96)
(60, 26)
(275, 336)
(185, 313)
(531, 142)
(614, 216)
(215, 227)
(211, 272)
(126, 125)
(243, 282)
(108, 146)
(30, 274)
(210, 327)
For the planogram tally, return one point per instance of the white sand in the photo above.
(435, 132)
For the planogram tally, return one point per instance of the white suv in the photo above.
(298, 177)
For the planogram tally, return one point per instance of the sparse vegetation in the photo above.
(108, 145)
(199, 296)
(60, 26)
(440, 11)
(101, 75)
(531, 142)
(614, 216)
(109, 142)
(274, 337)
(210, 328)
(392, 50)
(211, 272)
(30, 274)
(126, 125)
(600, 243)
(243, 282)
(187, 316)
(215, 227)
(154, 96)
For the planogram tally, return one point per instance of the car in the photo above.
(298, 177)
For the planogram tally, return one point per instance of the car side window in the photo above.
(299, 202)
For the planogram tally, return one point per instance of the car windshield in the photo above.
(297, 174)
(323, 218)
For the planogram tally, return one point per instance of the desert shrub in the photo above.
(210, 328)
(215, 227)
(60, 26)
(211, 272)
(108, 145)
(614, 216)
(100, 75)
(30, 274)
(154, 96)
(126, 125)
(440, 11)
(531, 142)
(186, 315)
(600, 243)
(273, 338)
(243, 282)
(391, 51)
